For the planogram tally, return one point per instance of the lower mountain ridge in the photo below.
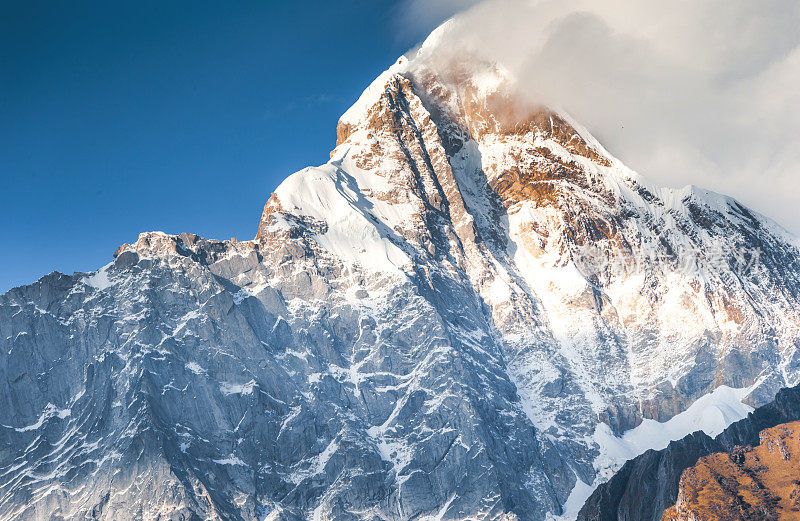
(648, 485)
(759, 483)
(472, 311)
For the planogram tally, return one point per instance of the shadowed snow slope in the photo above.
(458, 316)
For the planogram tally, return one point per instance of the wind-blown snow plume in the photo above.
(702, 93)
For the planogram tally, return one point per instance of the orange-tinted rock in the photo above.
(749, 484)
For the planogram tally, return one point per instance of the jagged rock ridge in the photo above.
(439, 322)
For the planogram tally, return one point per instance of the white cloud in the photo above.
(703, 92)
(419, 17)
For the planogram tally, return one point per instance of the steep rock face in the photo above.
(648, 484)
(160, 370)
(436, 323)
(751, 483)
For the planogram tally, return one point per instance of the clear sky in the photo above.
(128, 116)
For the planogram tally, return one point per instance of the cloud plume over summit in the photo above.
(702, 92)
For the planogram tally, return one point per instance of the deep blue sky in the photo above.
(128, 116)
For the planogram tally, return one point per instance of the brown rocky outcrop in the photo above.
(747, 484)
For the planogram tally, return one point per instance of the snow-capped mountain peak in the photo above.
(458, 316)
